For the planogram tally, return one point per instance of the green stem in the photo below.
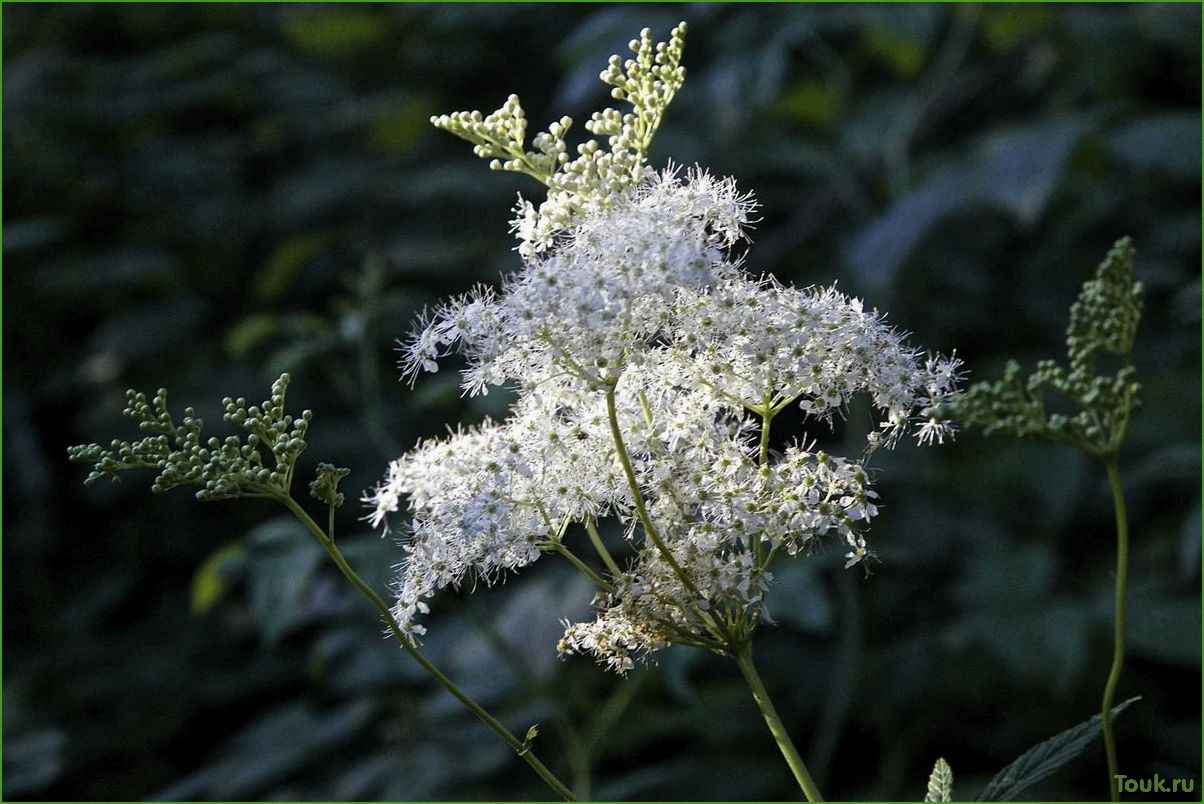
(583, 568)
(595, 539)
(610, 712)
(638, 497)
(578, 753)
(1118, 643)
(766, 423)
(776, 728)
(644, 406)
(520, 747)
(645, 520)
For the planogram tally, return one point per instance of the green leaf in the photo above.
(1166, 143)
(940, 783)
(250, 332)
(1044, 758)
(902, 54)
(276, 746)
(210, 581)
(281, 563)
(1016, 170)
(813, 102)
(286, 263)
(398, 126)
(33, 761)
(1004, 31)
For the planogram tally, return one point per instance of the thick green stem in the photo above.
(776, 728)
(520, 747)
(1118, 638)
(766, 423)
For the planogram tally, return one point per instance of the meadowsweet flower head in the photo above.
(648, 367)
(763, 345)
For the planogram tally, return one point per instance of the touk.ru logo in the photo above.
(1157, 784)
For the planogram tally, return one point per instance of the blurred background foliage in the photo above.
(202, 196)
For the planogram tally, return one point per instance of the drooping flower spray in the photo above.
(648, 367)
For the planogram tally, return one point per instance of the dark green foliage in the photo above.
(1043, 759)
(205, 196)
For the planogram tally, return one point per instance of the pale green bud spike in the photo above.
(647, 82)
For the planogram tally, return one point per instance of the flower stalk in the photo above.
(521, 747)
(232, 468)
(1118, 623)
(744, 659)
(1103, 322)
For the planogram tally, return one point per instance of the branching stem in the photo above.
(582, 567)
(638, 496)
(654, 536)
(767, 414)
(520, 747)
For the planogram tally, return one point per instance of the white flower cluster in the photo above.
(761, 345)
(648, 366)
(605, 293)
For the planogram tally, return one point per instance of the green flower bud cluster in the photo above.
(222, 468)
(1103, 321)
(325, 486)
(500, 136)
(648, 82)
(1104, 318)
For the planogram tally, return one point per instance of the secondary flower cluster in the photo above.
(648, 364)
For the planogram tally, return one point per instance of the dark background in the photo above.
(202, 196)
